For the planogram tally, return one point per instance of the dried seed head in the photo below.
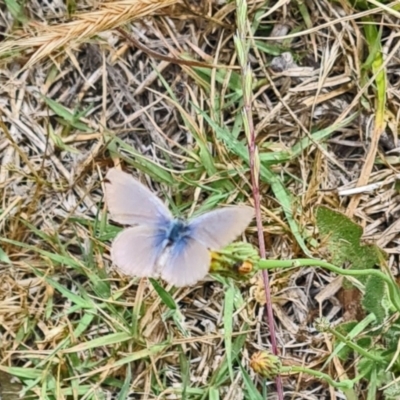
(265, 364)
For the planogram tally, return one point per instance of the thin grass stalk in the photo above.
(242, 47)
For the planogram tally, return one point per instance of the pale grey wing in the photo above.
(186, 265)
(135, 251)
(216, 229)
(130, 202)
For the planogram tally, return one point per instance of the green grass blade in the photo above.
(52, 256)
(16, 10)
(166, 298)
(319, 136)
(141, 162)
(4, 257)
(107, 340)
(252, 392)
(277, 186)
(358, 329)
(228, 324)
(69, 117)
(124, 393)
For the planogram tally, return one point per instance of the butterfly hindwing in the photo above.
(186, 264)
(135, 251)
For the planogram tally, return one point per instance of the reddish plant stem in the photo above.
(242, 47)
(261, 243)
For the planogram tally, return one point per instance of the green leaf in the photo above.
(16, 10)
(206, 158)
(166, 298)
(350, 330)
(213, 394)
(392, 392)
(22, 372)
(375, 298)
(271, 49)
(106, 340)
(4, 257)
(64, 260)
(126, 387)
(59, 143)
(140, 162)
(84, 324)
(319, 136)
(69, 117)
(74, 298)
(185, 371)
(343, 239)
(221, 375)
(252, 392)
(233, 83)
(375, 62)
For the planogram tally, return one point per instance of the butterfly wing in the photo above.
(135, 251)
(216, 229)
(130, 202)
(186, 264)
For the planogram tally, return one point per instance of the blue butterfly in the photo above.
(159, 244)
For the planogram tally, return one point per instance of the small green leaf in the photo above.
(185, 371)
(69, 117)
(16, 10)
(22, 372)
(350, 330)
(4, 257)
(126, 387)
(343, 239)
(71, 7)
(319, 136)
(374, 298)
(270, 49)
(106, 340)
(213, 393)
(58, 142)
(392, 392)
(141, 162)
(164, 295)
(252, 392)
(221, 375)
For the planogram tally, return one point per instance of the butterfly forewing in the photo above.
(216, 229)
(186, 265)
(131, 203)
(135, 251)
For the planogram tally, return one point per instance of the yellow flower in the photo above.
(265, 364)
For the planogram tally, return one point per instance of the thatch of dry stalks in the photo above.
(46, 39)
(77, 97)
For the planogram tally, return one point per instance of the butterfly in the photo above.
(160, 245)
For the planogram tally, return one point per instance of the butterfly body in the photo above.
(171, 240)
(159, 244)
(178, 232)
